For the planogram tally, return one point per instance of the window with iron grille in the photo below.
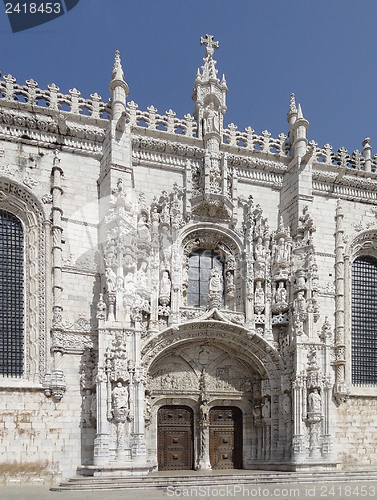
(364, 320)
(200, 264)
(11, 295)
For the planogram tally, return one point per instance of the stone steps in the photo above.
(157, 481)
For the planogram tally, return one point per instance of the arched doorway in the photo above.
(175, 443)
(225, 437)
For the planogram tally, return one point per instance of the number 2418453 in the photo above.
(33, 8)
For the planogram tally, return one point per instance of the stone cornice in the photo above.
(50, 128)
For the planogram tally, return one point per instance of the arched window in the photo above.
(364, 320)
(11, 295)
(200, 264)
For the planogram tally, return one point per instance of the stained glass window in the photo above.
(11, 295)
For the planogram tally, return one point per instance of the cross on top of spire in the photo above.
(210, 44)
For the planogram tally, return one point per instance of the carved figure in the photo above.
(281, 252)
(165, 288)
(211, 118)
(259, 294)
(204, 412)
(260, 251)
(281, 293)
(315, 402)
(120, 402)
(101, 308)
(143, 229)
(143, 275)
(299, 304)
(110, 279)
(266, 408)
(215, 281)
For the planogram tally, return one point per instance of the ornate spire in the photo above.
(117, 73)
(209, 67)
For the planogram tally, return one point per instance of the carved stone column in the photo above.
(340, 389)
(298, 440)
(102, 439)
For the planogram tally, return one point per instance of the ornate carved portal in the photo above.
(175, 438)
(225, 438)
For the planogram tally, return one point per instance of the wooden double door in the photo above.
(175, 442)
(225, 437)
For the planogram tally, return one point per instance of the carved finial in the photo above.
(209, 68)
(210, 45)
(292, 104)
(117, 73)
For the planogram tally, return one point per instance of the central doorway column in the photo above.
(204, 460)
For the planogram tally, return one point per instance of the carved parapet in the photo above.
(249, 140)
(33, 95)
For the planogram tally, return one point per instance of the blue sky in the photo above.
(323, 50)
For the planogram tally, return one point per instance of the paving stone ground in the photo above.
(333, 491)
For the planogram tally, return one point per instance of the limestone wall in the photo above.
(41, 440)
(356, 436)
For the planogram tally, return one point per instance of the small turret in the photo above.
(118, 88)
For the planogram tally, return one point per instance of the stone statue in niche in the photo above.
(143, 229)
(120, 402)
(281, 294)
(110, 279)
(101, 308)
(165, 244)
(260, 251)
(281, 252)
(165, 288)
(266, 408)
(143, 274)
(211, 119)
(258, 298)
(215, 289)
(215, 281)
(300, 305)
(315, 402)
(204, 411)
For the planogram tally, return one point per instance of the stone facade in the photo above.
(114, 203)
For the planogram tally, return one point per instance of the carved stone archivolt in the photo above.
(253, 349)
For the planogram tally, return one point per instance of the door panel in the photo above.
(175, 438)
(225, 438)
